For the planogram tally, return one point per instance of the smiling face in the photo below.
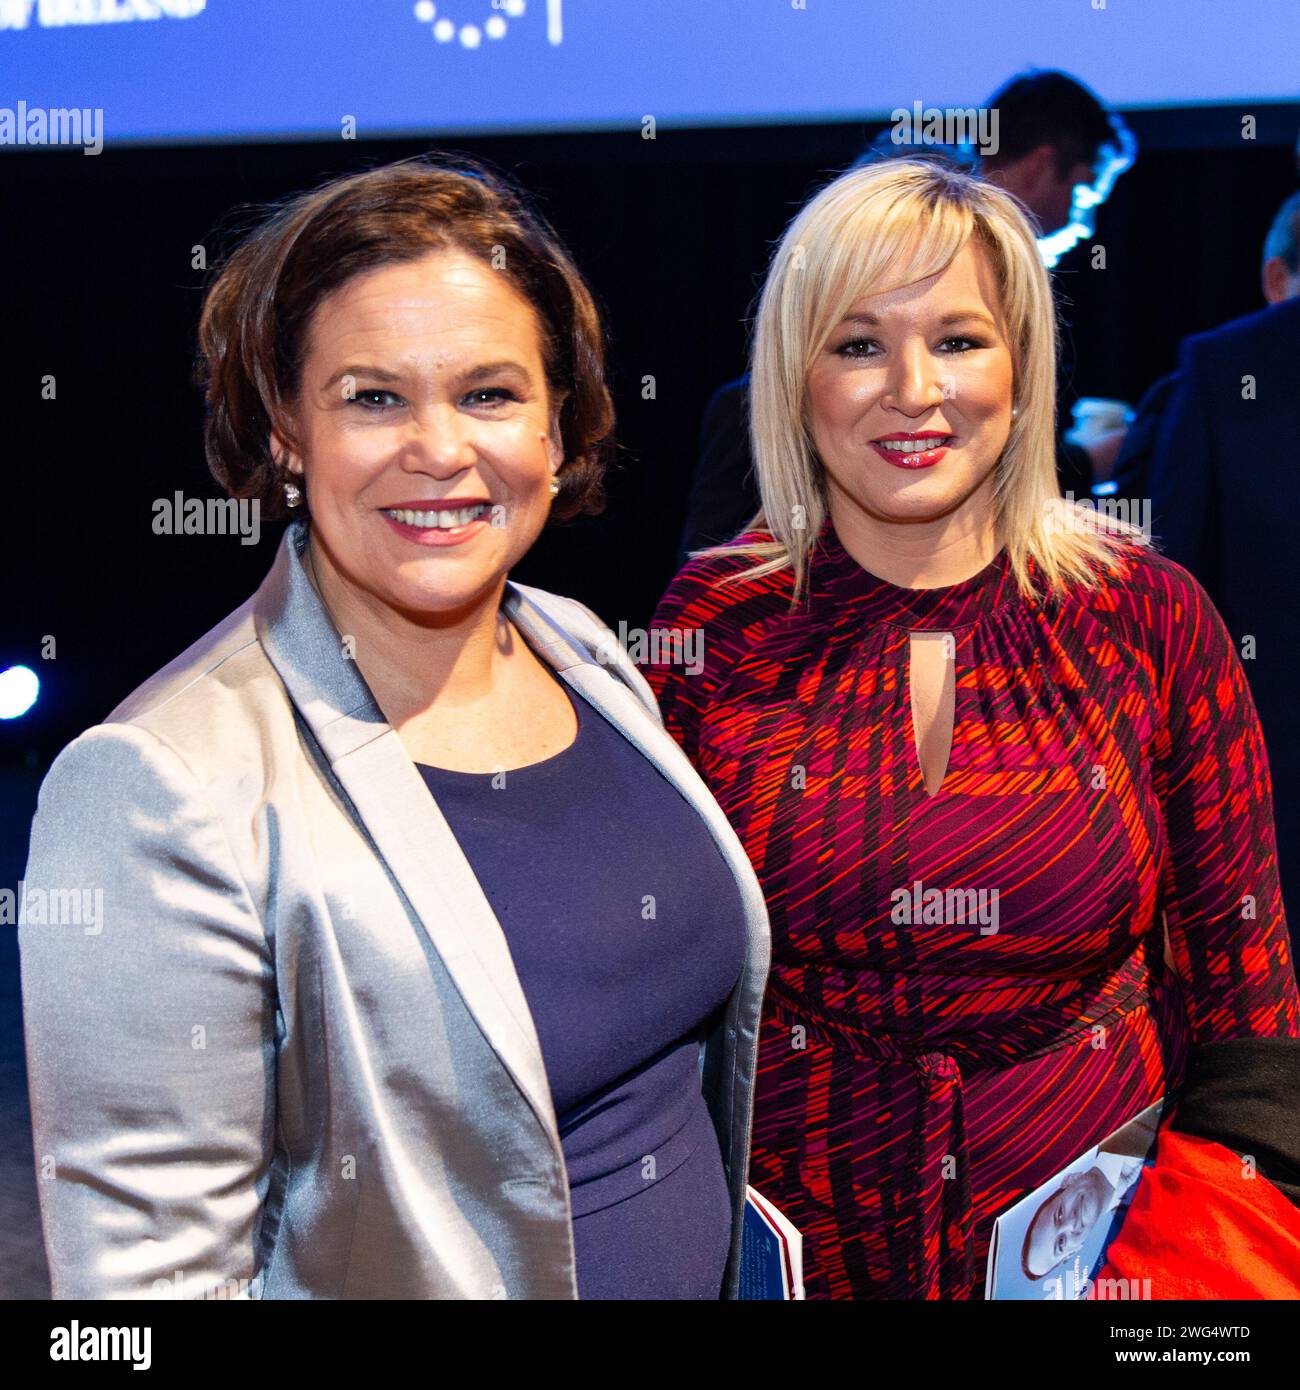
(909, 401)
(428, 438)
(1063, 1223)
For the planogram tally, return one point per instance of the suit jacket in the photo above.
(291, 1057)
(1224, 496)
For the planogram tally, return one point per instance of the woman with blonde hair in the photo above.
(979, 744)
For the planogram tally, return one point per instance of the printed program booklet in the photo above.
(1053, 1242)
(771, 1257)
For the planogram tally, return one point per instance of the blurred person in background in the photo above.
(1212, 450)
(1279, 277)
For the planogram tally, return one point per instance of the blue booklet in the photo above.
(771, 1257)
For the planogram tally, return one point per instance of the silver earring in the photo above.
(1015, 410)
(292, 495)
(555, 487)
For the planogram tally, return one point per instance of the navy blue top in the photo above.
(628, 933)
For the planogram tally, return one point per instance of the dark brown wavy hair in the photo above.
(259, 306)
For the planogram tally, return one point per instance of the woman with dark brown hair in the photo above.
(429, 967)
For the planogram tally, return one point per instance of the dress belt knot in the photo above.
(942, 1244)
(939, 1065)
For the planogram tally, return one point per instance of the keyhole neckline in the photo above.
(912, 730)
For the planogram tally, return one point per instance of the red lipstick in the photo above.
(924, 456)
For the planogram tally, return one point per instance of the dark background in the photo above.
(674, 235)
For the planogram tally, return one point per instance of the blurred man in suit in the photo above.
(1053, 134)
(1280, 280)
(1224, 498)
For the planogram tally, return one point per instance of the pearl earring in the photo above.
(1015, 410)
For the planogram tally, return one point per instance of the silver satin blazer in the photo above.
(291, 1057)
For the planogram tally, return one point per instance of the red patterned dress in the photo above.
(927, 1058)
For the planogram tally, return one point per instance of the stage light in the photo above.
(19, 687)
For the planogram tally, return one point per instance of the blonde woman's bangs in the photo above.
(876, 251)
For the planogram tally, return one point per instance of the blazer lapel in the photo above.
(409, 831)
(393, 805)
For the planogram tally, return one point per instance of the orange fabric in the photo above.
(1198, 1228)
